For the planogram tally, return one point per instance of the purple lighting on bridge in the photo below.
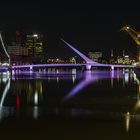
(70, 65)
(79, 53)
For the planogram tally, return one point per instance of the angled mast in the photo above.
(88, 61)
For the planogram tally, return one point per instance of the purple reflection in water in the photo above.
(50, 75)
(90, 77)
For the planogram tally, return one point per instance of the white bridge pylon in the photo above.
(3, 46)
(88, 61)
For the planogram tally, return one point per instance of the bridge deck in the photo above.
(71, 65)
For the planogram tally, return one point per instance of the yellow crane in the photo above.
(135, 36)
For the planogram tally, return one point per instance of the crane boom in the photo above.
(135, 36)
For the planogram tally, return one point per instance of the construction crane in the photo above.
(135, 36)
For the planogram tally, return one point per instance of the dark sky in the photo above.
(87, 25)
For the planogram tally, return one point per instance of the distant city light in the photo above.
(36, 98)
(127, 27)
(5, 64)
(112, 67)
(126, 77)
(127, 117)
(135, 64)
(126, 56)
(35, 112)
(35, 35)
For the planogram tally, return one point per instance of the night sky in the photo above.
(87, 25)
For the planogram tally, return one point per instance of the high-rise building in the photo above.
(112, 59)
(17, 51)
(112, 53)
(18, 38)
(34, 43)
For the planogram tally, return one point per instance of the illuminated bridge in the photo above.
(69, 65)
(89, 63)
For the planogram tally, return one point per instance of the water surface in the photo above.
(70, 104)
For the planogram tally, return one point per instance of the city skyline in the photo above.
(106, 54)
(88, 26)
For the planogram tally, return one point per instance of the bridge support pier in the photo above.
(31, 68)
(88, 67)
(112, 67)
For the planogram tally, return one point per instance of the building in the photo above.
(17, 50)
(120, 60)
(34, 44)
(112, 58)
(18, 55)
(95, 55)
(125, 60)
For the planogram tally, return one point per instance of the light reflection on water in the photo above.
(71, 93)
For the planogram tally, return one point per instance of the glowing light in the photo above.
(112, 74)
(31, 68)
(112, 67)
(57, 79)
(126, 77)
(127, 118)
(5, 93)
(4, 79)
(126, 56)
(73, 75)
(112, 78)
(73, 78)
(13, 72)
(135, 64)
(5, 64)
(36, 98)
(35, 35)
(73, 71)
(88, 67)
(57, 71)
(127, 27)
(8, 73)
(35, 112)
